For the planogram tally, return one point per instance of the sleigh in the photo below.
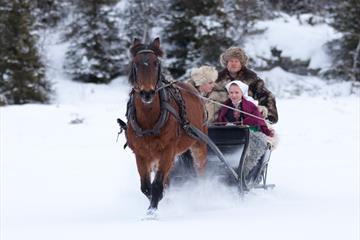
(160, 111)
(232, 143)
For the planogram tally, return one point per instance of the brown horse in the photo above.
(159, 113)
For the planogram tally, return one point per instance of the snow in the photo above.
(71, 181)
(288, 85)
(295, 38)
(61, 180)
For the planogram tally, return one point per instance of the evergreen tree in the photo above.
(346, 51)
(141, 17)
(295, 7)
(22, 73)
(49, 13)
(243, 14)
(96, 53)
(196, 33)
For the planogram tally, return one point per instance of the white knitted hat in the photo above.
(203, 75)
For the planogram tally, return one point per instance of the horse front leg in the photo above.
(144, 172)
(161, 177)
(157, 190)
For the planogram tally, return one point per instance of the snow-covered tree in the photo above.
(142, 19)
(96, 52)
(346, 51)
(49, 13)
(295, 7)
(22, 73)
(242, 16)
(196, 33)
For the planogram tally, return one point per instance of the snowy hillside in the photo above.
(298, 40)
(295, 37)
(63, 176)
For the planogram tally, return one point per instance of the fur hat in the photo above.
(234, 52)
(244, 88)
(203, 75)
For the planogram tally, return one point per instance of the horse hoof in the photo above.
(151, 214)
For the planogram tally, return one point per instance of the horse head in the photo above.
(145, 71)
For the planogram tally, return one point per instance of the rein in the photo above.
(223, 105)
(234, 109)
(164, 88)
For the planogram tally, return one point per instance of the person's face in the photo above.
(235, 93)
(207, 87)
(233, 65)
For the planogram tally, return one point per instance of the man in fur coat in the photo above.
(235, 62)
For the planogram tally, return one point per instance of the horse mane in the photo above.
(131, 78)
(138, 46)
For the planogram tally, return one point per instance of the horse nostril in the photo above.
(147, 95)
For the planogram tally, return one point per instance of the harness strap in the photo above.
(166, 108)
(145, 51)
(194, 132)
(203, 137)
(123, 127)
(172, 110)
(131, 116)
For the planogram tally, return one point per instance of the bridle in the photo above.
(145, 62)
(166, 90)
(159, 87)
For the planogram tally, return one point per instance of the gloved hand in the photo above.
(236, 115)
(264, 111)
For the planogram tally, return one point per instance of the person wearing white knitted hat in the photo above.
(203, 78)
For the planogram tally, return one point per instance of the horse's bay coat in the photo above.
(156, 145)
(159, 115)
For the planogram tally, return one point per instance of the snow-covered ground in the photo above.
(63, 176)
(72, 181)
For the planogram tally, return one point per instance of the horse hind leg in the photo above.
(186, 164)
(199, 150)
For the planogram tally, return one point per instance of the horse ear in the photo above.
(136, 42)
(155, 46)
(134, 46)
(156, 42)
